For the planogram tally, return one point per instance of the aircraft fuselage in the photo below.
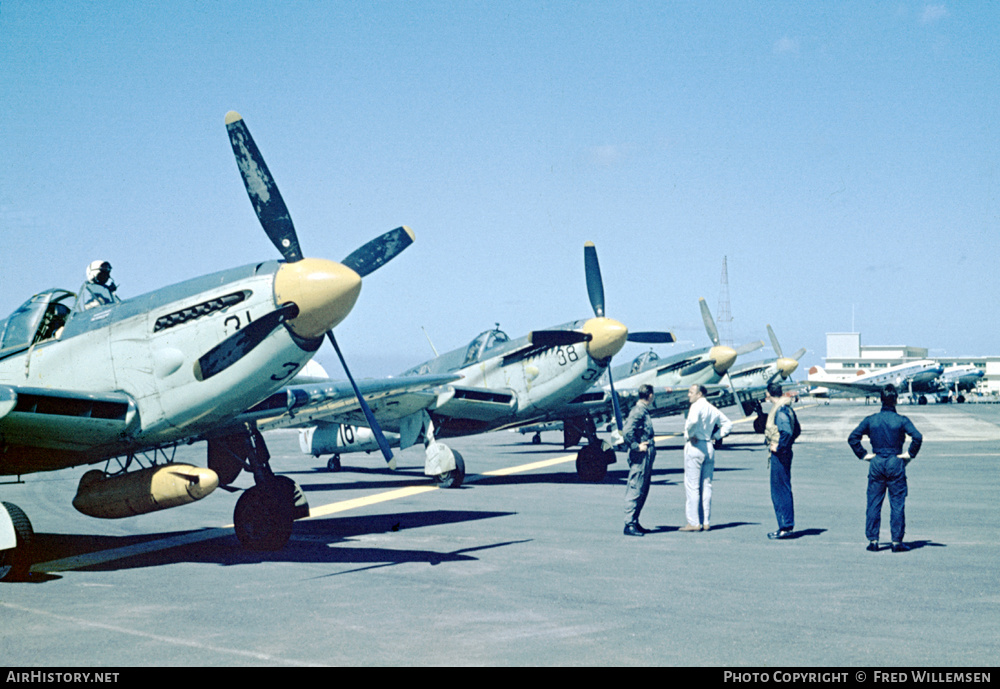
(146, 349)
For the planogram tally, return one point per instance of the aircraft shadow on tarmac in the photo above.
(401, 477)
(310, 543)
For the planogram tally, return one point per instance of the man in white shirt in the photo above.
(705, 424)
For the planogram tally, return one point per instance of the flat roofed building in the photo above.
(846, 354)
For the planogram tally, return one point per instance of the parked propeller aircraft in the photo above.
(750, 380)
(955, 380)
(670, 377)
(913, 378)
(504, 383)
(185, 362)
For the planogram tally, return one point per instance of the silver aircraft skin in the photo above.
(758, 374)
(81, 386)
(504, 382)
(670, 377)
(953, 381)
(911, 378)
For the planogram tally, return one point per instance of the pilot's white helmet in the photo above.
(95, 268)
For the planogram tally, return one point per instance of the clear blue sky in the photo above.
(843, 155)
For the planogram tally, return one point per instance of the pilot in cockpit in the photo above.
(99, 289)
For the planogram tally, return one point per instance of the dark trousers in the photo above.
(781, 490)
(640, 472)
(886, 474)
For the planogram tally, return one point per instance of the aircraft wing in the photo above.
(859, 389)
(68, 420)
(390, 399)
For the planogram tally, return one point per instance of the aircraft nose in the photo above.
(607, 337)
(324, 291)
(723, 357)
(787, 366)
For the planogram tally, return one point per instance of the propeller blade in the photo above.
(706, 315)
(695, 367)
(732, 389)
(595, 285)
(372, 423)
(774, 342)
(652, 337)
(242, 342)
(749, 347)
(379, 251)
(614, 403)
(558, 338)
(799, 354)
(264, 195)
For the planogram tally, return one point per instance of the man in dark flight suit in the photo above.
(887, 432)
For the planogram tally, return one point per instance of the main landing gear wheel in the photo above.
(453, 478)
(333, 464)
(16, 562)
(759, 423)
(264, 515)
(592, 463)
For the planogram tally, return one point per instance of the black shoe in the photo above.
(780, 533)
(632, 530)
(900, 548)
(872, 547)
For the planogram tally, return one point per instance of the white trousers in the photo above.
(699, 465)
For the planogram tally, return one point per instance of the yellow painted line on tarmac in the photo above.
(530, 467)
(355, 503)
(103, 556)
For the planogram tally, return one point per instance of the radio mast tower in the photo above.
(725, 317)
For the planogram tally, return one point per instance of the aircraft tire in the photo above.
(15, 563)
(453, 478)
(759, 423)
(591, 465)
(333, 464)
(922, 399)
(536, 439)
(263, 518)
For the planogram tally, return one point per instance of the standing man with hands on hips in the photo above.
(887, 432)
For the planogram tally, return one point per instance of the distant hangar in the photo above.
(846, 354)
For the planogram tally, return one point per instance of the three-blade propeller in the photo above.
(785, 365)
(277, 223)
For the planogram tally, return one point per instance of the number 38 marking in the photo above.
(566, 355)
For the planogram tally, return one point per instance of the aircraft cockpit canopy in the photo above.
(39, 319)
(483, 343)
(641, 362)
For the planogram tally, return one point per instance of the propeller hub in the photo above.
(607, 337)
(722, 357)
(324, 291)
(786, 366)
